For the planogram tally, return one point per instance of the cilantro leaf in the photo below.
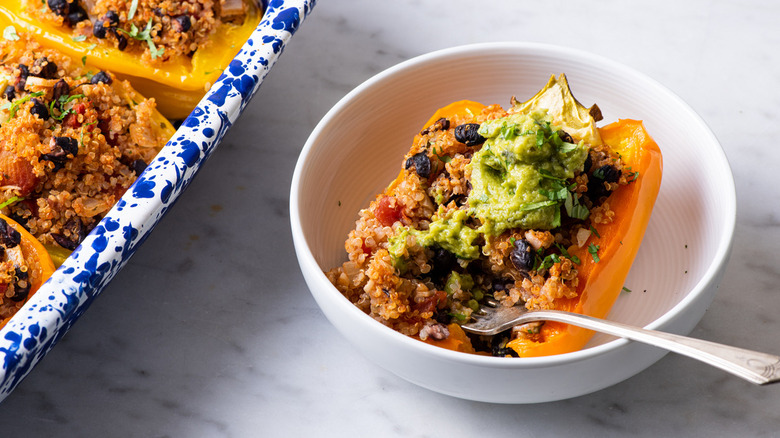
(594, 252)
(9, 33)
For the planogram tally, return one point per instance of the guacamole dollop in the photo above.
(447, 230)
(517, 175)
(518, 180)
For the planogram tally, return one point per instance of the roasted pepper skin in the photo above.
(177, 87)
(600, 282)
(40, 264)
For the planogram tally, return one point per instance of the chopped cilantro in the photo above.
(10, 201)
(133, 8)
(60, 104)
(625, 289)
(145, 35)
(9, 33)
(565, 253)
(81, 138)
(594, 252)
(13, 107)
(443, 158)
(537, 205)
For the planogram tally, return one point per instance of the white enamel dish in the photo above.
(48, 315)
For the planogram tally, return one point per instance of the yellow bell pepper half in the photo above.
(177, 86)
(39, 263)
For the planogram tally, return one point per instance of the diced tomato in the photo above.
(17, 172)
(72, 119)
(388, 211)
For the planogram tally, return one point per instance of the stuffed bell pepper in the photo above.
(531, 206)
(72, 141)
(170, 50)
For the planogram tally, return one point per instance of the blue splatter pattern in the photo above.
(37, 327)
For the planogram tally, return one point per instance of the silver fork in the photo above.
(753, 366)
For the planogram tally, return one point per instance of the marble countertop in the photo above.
(210, 331)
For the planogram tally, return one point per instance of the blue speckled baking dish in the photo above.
(45, 319)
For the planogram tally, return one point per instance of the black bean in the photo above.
(99, 77)
(76, 232)
(61, 147)
(182, 23)
(121, 40)
(521, 256)
(498, 346)
(39, 109)
(9, 93)
(69, 145)
(61, 88)
(588, 164)
(442, 263)
(596, 187)
(99, 29)
(468, 134)
(76, 15)
(43, 68)
(64, 241)
(111, 18)
(22, 81)
(421, 164)
(608, 173)
(442, 317)
(59, 7)
(459, 200)
(138, 166)
(21, 284)
(9, 237)
(596, 190)
(499, 351)
(440, 125)
(563, 135)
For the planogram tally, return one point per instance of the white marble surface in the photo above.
(210, 330)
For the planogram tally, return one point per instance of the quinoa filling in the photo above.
(156, 30)
(486, 206)
(71, 142)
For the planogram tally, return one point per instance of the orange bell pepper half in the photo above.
(600, 282)
(39, 263)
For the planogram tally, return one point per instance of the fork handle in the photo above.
(756, 367)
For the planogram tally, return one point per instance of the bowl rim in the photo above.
(308, 262)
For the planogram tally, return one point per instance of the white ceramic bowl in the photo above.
(358, 148)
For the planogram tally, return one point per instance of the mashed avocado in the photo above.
(517, 178)
(447, 230)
